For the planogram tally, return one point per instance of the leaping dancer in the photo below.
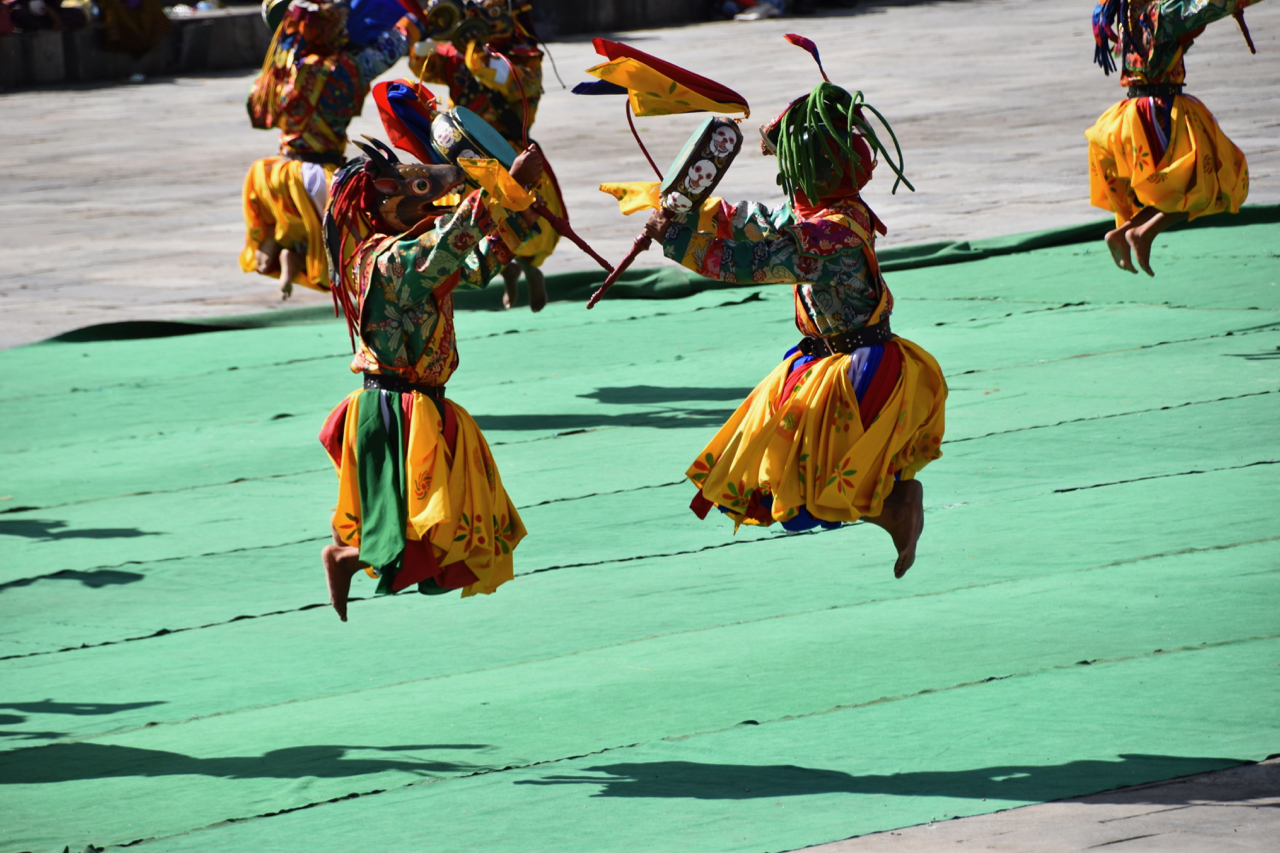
(840, 429)
(486, 52)
(1158, 157)
(420, 500)
(313, 82)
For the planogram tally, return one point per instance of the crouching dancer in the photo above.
(839, 430)
(419, 496)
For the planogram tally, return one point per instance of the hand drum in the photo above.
(459, 134)
(700, 165)
(688, 181)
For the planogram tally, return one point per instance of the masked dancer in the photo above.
(493, 67)
(420, 501)
(840, 429)
(1158, 157)
(313, 83)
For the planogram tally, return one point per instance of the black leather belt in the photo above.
(1155, 90)
(316, 157)
(396, 385)
(847, 342)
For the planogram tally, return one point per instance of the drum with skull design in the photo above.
(701, 164)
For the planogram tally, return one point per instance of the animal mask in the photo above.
(406, 191)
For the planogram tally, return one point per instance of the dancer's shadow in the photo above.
(666, 418)
(65, 762)
(48, 531)
(94, 580)
(79, 709)
(1032, 783)
(640, 394)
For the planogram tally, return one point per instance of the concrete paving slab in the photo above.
(123, 202)
(1226, 811)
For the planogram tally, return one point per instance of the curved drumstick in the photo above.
(642, 244)
(564, 229)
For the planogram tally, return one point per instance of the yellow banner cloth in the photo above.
(653, 93)
(497, 182)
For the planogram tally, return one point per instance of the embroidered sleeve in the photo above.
(773, 259)
(385, 52)
(1177, 18)
(477, 241)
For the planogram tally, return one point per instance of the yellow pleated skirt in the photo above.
(276, 204)
(537, 250)
(1201, 172)
(456, 501)
(773, 459)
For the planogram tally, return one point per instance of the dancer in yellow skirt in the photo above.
(493, 67)
(841, 428)
(313, 81)
(420, 501)
(1159, 157)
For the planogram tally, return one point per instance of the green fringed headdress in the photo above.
(822, 138)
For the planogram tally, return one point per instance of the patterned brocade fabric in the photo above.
(314, 81)
(407, 283)
(1155, 34)
(485, 85)
(827, 257)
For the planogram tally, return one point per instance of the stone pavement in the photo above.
(1231, 810)
(123, 202)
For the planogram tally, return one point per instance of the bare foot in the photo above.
(1145, 232)
(267, 257)
(1119, 246)
(903, 517)
(537, 286)
(1140, 243)
(290, 266)
(341, 562)
(511, 280)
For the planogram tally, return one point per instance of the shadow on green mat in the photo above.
(642, 394)
(66, 762)
(47, 531)
(78, 709)
(1025, 782)
(95, 579)
(673, 418)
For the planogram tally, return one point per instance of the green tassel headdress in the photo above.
(821, 139)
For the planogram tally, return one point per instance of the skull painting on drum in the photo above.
(677, 202)
(445, 133)
(723, 141)
(700, 175)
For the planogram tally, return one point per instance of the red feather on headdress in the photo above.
(807, 44)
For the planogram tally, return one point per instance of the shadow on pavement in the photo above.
(1030, 783)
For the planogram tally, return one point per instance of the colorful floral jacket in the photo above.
(829, 258)
(1153, 35)
(406, 287)
(314, 80)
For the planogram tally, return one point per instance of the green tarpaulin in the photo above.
(1095, 602)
